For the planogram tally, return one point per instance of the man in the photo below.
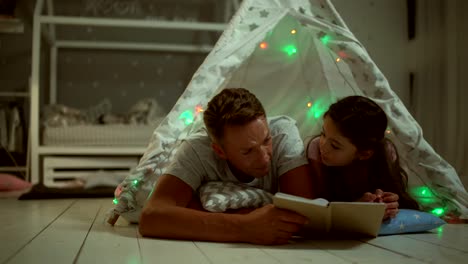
(240, 147)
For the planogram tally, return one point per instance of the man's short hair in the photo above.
(232, 106)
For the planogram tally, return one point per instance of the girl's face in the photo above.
(335, 149)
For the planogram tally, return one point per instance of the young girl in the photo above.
(353, 161)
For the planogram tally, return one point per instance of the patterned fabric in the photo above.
(220, 196)
(410, 221)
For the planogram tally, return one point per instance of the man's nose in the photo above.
(264, 155)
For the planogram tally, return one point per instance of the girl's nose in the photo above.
(323, 145)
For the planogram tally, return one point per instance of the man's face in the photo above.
(248, 147)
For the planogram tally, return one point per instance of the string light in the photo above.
(290, 50)
(325, 39)
(388, 131)
(309, 104)
(263, 45)
(115, 201)
(293, 31)
(187, 117)
(338, 60)
(438, 211)
(342, 54)
(135, 182)
(198, 109)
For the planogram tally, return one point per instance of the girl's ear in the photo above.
(218, 150)
(365, 154)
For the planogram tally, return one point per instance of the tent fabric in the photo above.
(298, 57)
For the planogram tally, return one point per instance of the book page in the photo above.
(316, 210)
(318, 201)
(357, 217)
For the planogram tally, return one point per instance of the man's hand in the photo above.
(269, 225)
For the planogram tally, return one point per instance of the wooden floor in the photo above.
(74, 231)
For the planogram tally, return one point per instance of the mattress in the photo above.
(98, 135)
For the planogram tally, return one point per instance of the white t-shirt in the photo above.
(196, 163)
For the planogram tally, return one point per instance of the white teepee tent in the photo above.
(298, 57)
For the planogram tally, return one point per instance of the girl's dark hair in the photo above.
(364, 123)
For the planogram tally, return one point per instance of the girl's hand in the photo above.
(391, 202)
(367, 197)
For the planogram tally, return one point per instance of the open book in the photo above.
(362, 218)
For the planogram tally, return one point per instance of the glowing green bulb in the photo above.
(325, 39)
(187, 116)
(135, 182)
(115, 201)
(422, 191)
(438, 211)
(316, 109)
(290, 50)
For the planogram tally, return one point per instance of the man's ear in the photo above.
(218, 150)
(365, 154)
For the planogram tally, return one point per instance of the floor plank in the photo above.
(170, 251)
(453, 236)
(60, 242)
(22, 221)
(110, 244)
(359, 252)
(419, 249)
(235, 253)
(302, 252)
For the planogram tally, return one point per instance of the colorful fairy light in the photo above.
(421, 191)
(293, 31)
(115, 201)
(438, 211)
(338, 59)
(263, 45)
(342, 54)
(198, 109)
(290, 50)
(325, 39)
(316, 108)
(187, 117)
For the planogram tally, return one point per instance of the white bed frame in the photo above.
(47, 19)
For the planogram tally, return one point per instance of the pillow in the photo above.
(9, 182)
(219, 196)
(410, 221)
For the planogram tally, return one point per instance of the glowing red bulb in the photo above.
(263, 45)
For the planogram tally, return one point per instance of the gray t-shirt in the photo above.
(196, 163)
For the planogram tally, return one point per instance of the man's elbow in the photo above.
(148, 226)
